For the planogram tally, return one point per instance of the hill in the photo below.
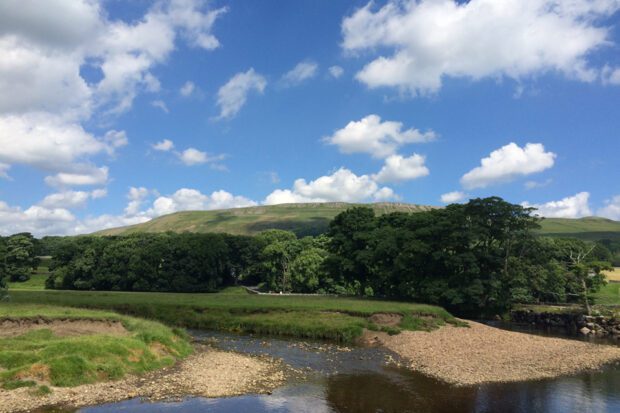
(303, 219)
(313, 219)
(588, 228)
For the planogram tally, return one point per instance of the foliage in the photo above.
(17, 257)
(70, 361)
(476, 258)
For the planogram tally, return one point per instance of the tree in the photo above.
(583, 266)
(20, 257)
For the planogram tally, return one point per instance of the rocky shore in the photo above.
(482, 354)
(208, 373)
(574, 322)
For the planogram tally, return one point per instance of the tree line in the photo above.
(478, 257)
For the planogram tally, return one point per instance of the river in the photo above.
(352, 379)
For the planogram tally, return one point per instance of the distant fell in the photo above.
(313, 218)
(302, 219)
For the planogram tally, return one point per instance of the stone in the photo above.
(585, 331)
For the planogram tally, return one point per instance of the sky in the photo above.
(113, 112)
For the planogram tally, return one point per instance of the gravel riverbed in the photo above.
(483, 354)
(207, 373)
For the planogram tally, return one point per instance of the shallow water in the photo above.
(350, 379)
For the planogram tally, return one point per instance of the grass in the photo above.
(235, 310)
(39, 358)
(614, 275)
(609, 295)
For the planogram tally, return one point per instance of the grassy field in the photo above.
(613, 276)
(235, 310)
(38, 358)
(314, 218)
(609, 295)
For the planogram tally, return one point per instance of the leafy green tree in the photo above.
(20, 257)
(307, 270)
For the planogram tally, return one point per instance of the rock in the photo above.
(585, 331)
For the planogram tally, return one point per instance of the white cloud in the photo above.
(507, 163)
(398, 168)
(83, 176)
(233, 95)
(429, 40)
(302, 71)
(193, 156)
(191, 199)
(52, 215)
(610, 76)
(537, 184)
(164, 145)
(336, 71)
(161, 105)
(343, 185)
(46, 142)
(576, 206)
(44, 98)
(187, 89)
(453, 197)
(611, 209)
(71, 199)
(379, 139)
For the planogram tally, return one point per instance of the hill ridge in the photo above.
(313, 218)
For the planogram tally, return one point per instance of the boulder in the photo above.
(585, 331)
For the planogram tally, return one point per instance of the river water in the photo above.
(353, 379)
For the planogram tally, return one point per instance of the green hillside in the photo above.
(588, 228)
(303, 219)
(313, 218)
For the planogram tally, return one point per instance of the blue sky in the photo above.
(112, 113)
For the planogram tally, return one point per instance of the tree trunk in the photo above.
(585, 296)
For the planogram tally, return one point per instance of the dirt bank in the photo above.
(61, 327)
(480, 354)
(208, 373)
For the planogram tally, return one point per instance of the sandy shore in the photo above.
(481, 354)
(208, 373)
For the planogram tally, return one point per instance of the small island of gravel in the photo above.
(482, 354)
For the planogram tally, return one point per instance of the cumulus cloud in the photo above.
(398, 168)
(71, 199)
(426, 41)
(343, 185)
(234, 94)
(44, 98)
(611, 209)
(164, 146)
(453, 197)
(301, 72)
(379, 139)
(186, 199)
(53, 217)
(336, 71)
(576, 206)
(187, 89)
(193, 156)
(82, 176)
(508, 163)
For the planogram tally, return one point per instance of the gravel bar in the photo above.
(208, 373)
(482, 354)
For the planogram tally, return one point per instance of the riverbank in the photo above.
(207, 373)
(340, 319)
(484, 354)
